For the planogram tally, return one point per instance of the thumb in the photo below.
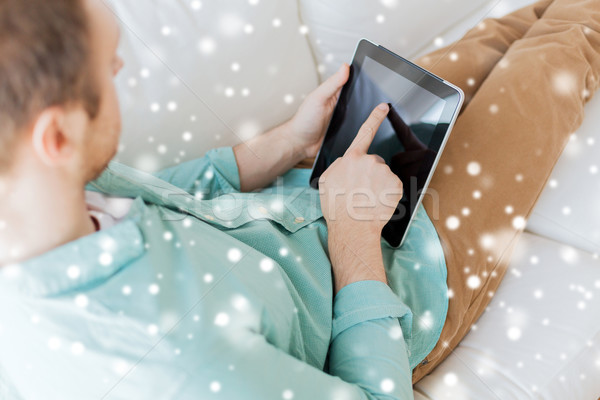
(334, 83)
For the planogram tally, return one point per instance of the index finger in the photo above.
(367, 131)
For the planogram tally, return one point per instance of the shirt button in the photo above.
(209, 217)
(262, 210)
(299, 220)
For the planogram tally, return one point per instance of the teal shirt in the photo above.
(203, 292)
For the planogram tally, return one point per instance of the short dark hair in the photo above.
(45, 53)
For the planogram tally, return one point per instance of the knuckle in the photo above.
(398, 183)
(373, 159)
(354, 153)
(368, 129)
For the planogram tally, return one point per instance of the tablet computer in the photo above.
(423, 110)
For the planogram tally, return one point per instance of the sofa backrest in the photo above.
(204, 74)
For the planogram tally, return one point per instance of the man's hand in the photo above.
(307, 128)
(356, 177)
(354, 235)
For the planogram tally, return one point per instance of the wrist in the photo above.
(355, 257)
(352, 234)
(290, 140)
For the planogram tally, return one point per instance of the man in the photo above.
(193, 287)
(157, 286)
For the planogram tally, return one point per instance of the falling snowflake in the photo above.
(564, 82)
(267, 265)
(514, 333)
(452, 222)
(207, 45)
(230, 24)
(105, 259)
(234, 255)
(221, 319)
(395, 332)
(450, 379)
(534, 260)
(154, 289)
(473, 281)
(387, 385)
(81, 301)
(288, 99)
(518, 222)
(473, 168)
(152, 329)
(426, 320)
(77, 348)
(73, 272)
(389, 3)
(569, 254)
(240, 303)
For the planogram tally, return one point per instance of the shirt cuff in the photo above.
(224, 162)
(367, 300)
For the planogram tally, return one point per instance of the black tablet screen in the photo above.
(408, 140)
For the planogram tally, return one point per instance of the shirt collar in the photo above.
(86, 261)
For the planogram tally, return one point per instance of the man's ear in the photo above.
(57, 134)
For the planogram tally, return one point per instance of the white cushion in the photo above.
(539, 337)
(179, 61)
(568, 209)
(335, 26)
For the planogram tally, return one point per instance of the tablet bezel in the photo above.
(421, 77)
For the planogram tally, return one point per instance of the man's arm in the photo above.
(265, 157)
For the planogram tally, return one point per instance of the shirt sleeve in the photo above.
(368, 361)
(368, 357)
(367, 345)
(207, 177)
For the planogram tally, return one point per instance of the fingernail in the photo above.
(383, 106)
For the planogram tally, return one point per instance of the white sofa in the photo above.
(204, 74)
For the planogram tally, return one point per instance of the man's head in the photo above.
(58, 105)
